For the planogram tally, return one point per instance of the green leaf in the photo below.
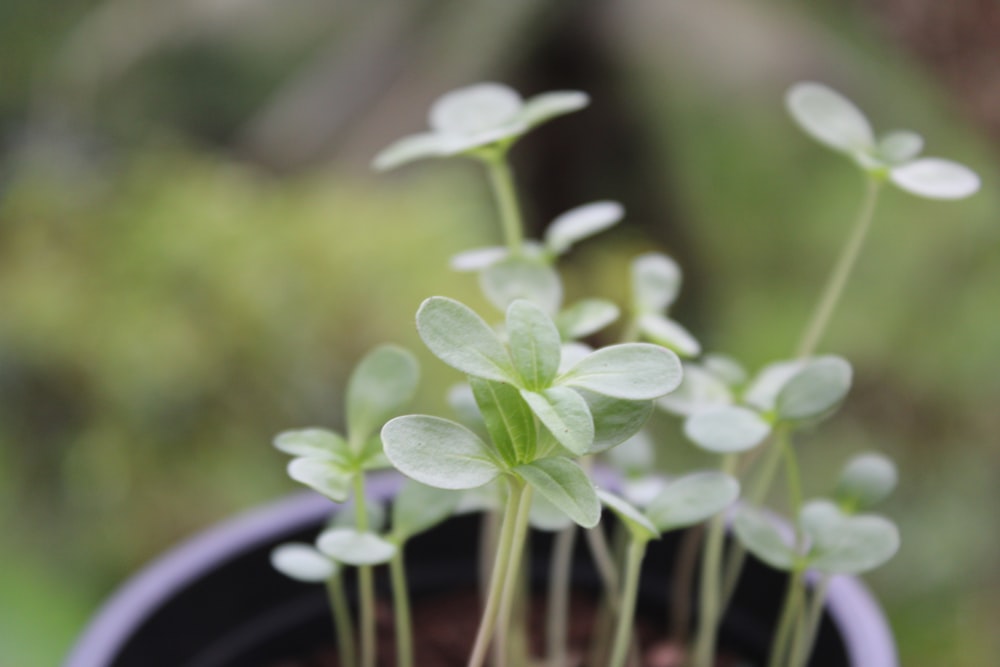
(534, 343)
(522, 277)
(461, 339)
(935, 178)
(615, 419)
(565, 414)
(379, 388)
(566, 486)
(815, 390)
(572, 354)
(698, 390)
(585, 317)
(418, 508)
(509, 420)
(375, 516)
(866, 480)
(353, 547)
(634, 371)
(314, 442)
(656, 280)
(763, 391)
(545, 516)
(302, 562)
(580, 223)
(478, 258)
(639, 527)
(726, 429)
(727, 369)
(900, 146)
(830, 118)
(665, 331)
(410, 149)
(762, 538)
(475, 108)
(438, 452)
(850, 545)
(692, 499)
(371, 456)
(547, 106)
(324, 475)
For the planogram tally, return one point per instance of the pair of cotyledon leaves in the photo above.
(656, 282)
(835, 121)
(608, 392)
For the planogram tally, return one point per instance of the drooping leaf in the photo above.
(815, 389)
(565, 413)
(566, 486)
(585, 317)
(314, 442)
(762, 538)
(461, 339)
(534, 343)
(726, 429)
(380, 387)
(634, 371)
(665, 331)
(692, 499)
(936, 178)
(509, 421)
(522, 277)
(419, 507)
(474, 109)
(829, 117)
(302, 562)
(615, 419)
(353, 547)
(580, 223)
(656, 281)
(899, 146)
(438, 452)
(324, 475)
(639, 527)
(698, 390)
(547, 106)
(866, 480)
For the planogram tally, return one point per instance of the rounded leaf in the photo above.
(580, 223)
(380, 387)
(814, 390)
(726, 429)
(302, 562)
(565, 414)
(899, 146)
(698, 391)
(438, 452)
(585, 317)
(665, 331)
(615, 419)
(354, 547)
(656, 281)
(475, 108)
(460, 338)
(409, 149)
(323, 475)
(725, 368)
(522, 277)
(545, 516)
(639, 527)
(508, 419)
(419, 507)
(314, 442)
(765, 387)
(546, 106)
(855, 545)
(866, 480)
(534, 344)
(566, 486)
(935, 178)
(633, 371)
(692, 499)
(762, 538)
(829, 117)
(478, 258)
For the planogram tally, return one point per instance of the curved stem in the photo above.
(343, 627)
(841, 272)
(401, 609)
(502, 182)
(366, 580)
(557, 618)
(630, 587)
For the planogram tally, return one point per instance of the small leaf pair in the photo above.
(656, 282)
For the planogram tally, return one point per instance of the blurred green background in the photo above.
(193, 252)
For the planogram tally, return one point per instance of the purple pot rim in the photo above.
(867, 635)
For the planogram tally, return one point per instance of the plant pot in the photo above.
(215, 601)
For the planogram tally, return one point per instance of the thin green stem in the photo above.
(804, 640)
(794, 481)
(502, 181)
(630, 587)
(401, 609)
(342, 624)
(366, 580)
(841, 272)
(512, 579)
(789, 613)
(683, 584)
(557, 619)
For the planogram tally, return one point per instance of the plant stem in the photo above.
(512, 580)
(557, 620)
(487, 623)
(342, 624)
(683, 584)
(779, 647)
(502, 182)
(630, 587)
(366, 581)
(841, 272)
(710, 594)
(803, 644)
(401, 609)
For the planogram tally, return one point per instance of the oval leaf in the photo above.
(639, 527)
(353, 547)
(534, 342)
(935, 178)
(380, 387)
(698, 391)
(545, 516)
(615, 419)
(656, 280)
(580, 223)
(668, 333)
(565, 414)
(585, 317)
(509, 421)
(478, 258)
(763, 391)
(546, 106)
(461, 339)
(324, 475)
(816, 389)
(634, 371)
(419, 507)
(829, 117)
(725, 368)
(900, 146)
(855, 545)
(409, 149)
(566, 486)
(475, 108)
(763, 539)
(522, 277)
(438, 452)
(313, 442)
(866, 480)
(726, 429)
(302, 562)
(692, 499)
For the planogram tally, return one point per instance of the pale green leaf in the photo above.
(830, 118)
(566, 486)
(565, 414)
(727, 369)
(438, 452)
(656, 281)
(347, 517)
(639, 527)
(935, 178)
(761, 537)
(634, 371)
(353, 547)
(866, 480)
(580, 223)
(323, 475)
(418, 507)
(855, 545)
(635, 457)
(692, 499)
(478, 258)
(547, 106)
(313, 442)
(462, 401)
(474, 109)
(302, 562)
(585, 317)
(615, 419)
(545, 516)
(815, 389)
(522, 277)
(409, 149)
(669, 333)
(461, 339)
(698, 390)
(534, 342)
(726, 429)
(767, 384)
(899, 146)
(572, 354)
(509, 421)
(380, 387)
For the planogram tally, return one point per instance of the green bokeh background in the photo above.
(169, 302)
